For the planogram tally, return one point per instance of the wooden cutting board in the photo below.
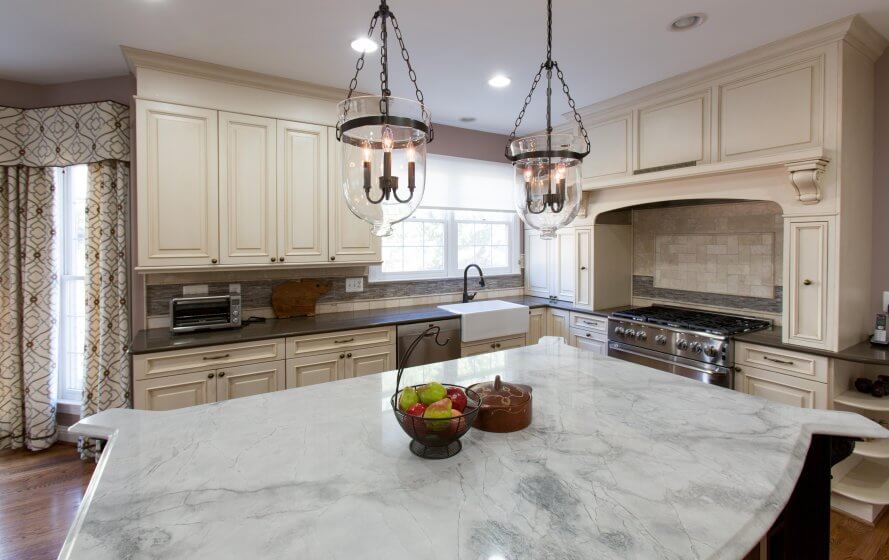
(298, 298)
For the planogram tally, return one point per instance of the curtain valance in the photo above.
(65, 135)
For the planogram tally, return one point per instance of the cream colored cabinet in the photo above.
(368, 361)
(806, 251)
(249, 380)
(583, 293)
(774, 110)
(674, 131)
(537, 267)
(557, 323)
(177, 391)
(302, 192)
(177, 185)
(492, 345)
(248, 209)
(589, 341)
(784, 389)
(350, 236)
(311, 370)
(562, 260)
(611, 151)
(536, 324)
(550, 265)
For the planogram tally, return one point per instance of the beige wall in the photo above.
(880, 259)
(466, 143)
(29, 96)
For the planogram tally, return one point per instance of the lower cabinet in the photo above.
(249, 380)
(493, 345)
(331, 366)
(589, 341)
(558, 323)
(536, 324)
(175, 391)
(781, 388)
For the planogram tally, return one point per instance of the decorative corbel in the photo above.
(805, 175)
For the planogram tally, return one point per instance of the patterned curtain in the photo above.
(29, 299)
(107, 375)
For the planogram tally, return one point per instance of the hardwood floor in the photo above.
(39, 496)
(40, 492)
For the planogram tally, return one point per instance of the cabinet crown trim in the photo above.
(805, 176)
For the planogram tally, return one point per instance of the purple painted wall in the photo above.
(880, 258)
(29, 96)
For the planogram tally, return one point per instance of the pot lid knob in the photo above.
(497, 383)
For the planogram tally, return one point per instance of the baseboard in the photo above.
(65, 435)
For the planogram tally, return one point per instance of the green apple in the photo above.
(432, 392)
(408, 398)
(438, 409)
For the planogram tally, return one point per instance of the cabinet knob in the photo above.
(333, 258)
(214, 261)
(498, 345)
(210, 376)
(349, 355)
(493, 345)
(807, 282)
(342, 356)
(280, 259)
(221, 374)
(273, 259)
(583, 268)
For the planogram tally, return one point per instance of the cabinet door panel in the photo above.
(315, 369)
(252, 379)
(589, 341)
(178, 187)
(302, 192)
(175, 391)
(537, 268)
(772, 112)
(784, 389)
(536, 324)
(477, 349)
(677, 131)
(565, 272)
(558, 324)
(807, 281)
(610, 149)
(350, 236)
(369, 361)
(509, 343)
(584, 286)
(247, 189)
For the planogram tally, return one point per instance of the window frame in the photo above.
(451, 270)
(66, 220)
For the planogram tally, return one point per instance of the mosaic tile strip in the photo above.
(643, 287)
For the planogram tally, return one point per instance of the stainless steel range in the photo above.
(686, 342)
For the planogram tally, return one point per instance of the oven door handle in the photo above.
(673, 362)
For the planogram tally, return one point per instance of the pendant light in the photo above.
(547, 192)
(383, 141)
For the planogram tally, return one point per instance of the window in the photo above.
(71, 224)
(466, 217)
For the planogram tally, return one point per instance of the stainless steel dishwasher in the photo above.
(427, 351)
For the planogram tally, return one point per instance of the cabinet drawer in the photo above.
(342, 340)
(170, 393)
(805, 366)
(492, 345)
(781, 388)
(148, 366)
(589, 322)
(589, 340)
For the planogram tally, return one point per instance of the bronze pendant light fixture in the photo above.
(383, 140)
(547, 191)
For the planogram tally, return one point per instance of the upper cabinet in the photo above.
(611, 148)
(247, 190)
(178, 196)
(674, 131)
(302, 192)
(771, 111)
(220, 189)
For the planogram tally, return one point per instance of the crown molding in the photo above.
(852, 29)
(138, 58)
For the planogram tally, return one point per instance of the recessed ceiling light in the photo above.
(499, 81)
(364, 45)
(686, 22)
(467, 119)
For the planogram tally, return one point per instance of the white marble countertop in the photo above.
(621, 461)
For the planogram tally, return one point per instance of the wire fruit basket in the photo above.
(434, 438)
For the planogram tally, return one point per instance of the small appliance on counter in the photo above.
(880, 335)
(205, 313)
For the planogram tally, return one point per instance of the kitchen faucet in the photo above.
(467, 297)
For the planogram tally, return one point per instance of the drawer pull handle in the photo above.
(221, 374)
(592, 323)
(349, 355)
(216, 357)
(210, 376)
(807, 282)
(342, 356)
(344, 340)
(777, 361)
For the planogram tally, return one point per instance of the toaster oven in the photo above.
(191, 314)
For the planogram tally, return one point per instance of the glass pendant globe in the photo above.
(383, 158)
(548, 180)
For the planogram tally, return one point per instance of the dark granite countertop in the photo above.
(160, 340)
(862, 353)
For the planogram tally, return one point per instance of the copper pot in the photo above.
(505, 407)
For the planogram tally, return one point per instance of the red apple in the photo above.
(416, 410)
(413, 422)
(458, 398)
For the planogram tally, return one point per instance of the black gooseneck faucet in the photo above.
(467, 297)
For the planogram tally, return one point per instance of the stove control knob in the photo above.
(697, 347)
(630, 333)
(641, 335)
(660, 339)
(711, 351)
(682, 344)
(619, 331)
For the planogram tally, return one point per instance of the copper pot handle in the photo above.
(497, 383)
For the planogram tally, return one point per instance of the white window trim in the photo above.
(376, 275)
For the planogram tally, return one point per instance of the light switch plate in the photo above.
(195, 290)
(354, 284)
(234, 288)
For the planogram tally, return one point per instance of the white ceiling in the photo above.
(604, 47)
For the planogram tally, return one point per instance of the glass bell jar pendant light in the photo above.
(383, 141)
(547, 191)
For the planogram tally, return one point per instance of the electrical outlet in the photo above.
(354, 284)
(195, 290)
(234, 288)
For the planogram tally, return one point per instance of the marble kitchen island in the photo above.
(621, 461)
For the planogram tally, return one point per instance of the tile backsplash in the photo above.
(725, 255)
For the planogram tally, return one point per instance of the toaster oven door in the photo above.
(201, 313)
